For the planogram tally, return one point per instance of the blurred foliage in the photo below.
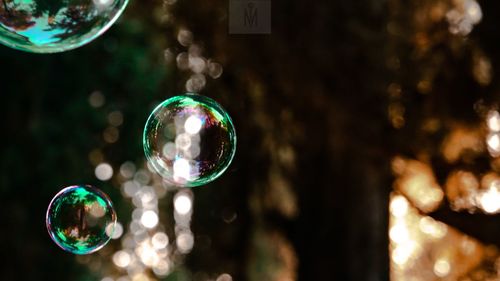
(310, 181)
(50, 128)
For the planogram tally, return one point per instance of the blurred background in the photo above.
(368, 144)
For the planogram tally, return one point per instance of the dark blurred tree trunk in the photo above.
(317, 84)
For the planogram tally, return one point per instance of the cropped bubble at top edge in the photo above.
(51, 26)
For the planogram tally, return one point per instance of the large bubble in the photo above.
(189, 140)
(50, 26)
(81, 219)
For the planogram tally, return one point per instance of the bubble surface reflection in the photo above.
(81, 219)
(189, 140)
(43, 26)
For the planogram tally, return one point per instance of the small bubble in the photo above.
(79, 219)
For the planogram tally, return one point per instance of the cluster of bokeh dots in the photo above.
(189, 140)
(81, 219)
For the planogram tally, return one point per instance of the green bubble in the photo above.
(81, 219)
(189, 140)
(51, 26)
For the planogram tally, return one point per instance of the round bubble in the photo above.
(189, 140)
(51, 26)
(81, 219)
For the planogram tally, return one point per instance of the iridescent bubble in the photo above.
(189, 140)
(81, 219)
(51, 26)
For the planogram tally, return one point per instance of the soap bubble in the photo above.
(51, 26)
(189, 140)
(81, 219)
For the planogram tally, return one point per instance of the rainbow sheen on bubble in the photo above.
(81, 219)
(50, 26)
(189, 140)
